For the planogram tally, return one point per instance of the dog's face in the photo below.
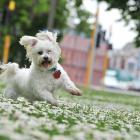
(43, 52)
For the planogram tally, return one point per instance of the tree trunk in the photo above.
(51, 15)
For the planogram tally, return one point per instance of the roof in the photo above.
(75, 42)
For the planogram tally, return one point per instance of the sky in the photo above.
(121, 33)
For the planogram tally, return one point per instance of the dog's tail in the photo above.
(8, 70)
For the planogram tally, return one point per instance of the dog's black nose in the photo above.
(46, 58)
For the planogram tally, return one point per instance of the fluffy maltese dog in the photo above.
(45, 74)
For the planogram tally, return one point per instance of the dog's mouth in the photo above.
(46, 63)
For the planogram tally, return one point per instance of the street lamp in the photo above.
(7, 40)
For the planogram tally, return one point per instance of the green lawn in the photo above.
(95, 115)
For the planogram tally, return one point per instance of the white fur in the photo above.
(37, 82)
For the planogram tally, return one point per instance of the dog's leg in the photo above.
(70, 86)
(10, 93)
(48, 96)
(72, 89)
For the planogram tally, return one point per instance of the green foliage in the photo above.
(62, 13)
(30, 16)
(83, 25)
(130, 10)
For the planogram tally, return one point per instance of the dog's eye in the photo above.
(49, 51)
(40, 52)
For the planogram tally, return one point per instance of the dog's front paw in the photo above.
(76, 92)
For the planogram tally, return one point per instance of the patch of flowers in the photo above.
(74, 119)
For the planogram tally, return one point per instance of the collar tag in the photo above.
(57, 74)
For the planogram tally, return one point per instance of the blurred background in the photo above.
(100, 40)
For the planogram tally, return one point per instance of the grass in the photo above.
(93, 116)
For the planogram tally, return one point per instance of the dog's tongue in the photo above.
(45, 65)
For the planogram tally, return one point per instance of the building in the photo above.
(75, 50)
(126, 59)
(74, 55)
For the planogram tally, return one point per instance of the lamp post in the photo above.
(91, 52)
(7, 40)
(12, 5)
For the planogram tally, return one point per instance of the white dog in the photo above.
(45, 74)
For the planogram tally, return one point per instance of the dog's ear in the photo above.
(28, 41)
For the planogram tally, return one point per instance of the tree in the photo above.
(79, 18)
(130, 10)
(28, 18)
(84, 26)
(31, 16)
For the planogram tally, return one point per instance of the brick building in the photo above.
(75, 51)
(75, 55)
